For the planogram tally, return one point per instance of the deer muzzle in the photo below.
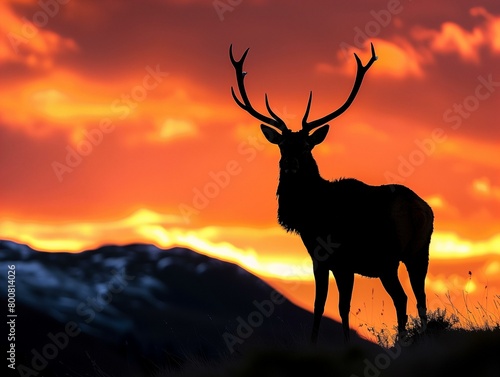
(289, 165)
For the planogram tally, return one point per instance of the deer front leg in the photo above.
(345, 284)
(321, 282)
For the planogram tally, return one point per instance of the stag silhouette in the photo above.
(347, 226)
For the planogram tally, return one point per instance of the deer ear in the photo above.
(271, 134)
(319, 135)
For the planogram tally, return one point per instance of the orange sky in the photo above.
(117, 125)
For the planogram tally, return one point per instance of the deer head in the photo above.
(295, 147)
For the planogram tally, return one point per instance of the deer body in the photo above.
(359, 218)
(347, 226)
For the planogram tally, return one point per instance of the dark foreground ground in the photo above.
(453, 353)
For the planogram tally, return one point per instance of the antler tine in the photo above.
(274, 115)
(308, 108)
(244, 103)
(361, 70)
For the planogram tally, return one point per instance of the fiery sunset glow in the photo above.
(117, 126)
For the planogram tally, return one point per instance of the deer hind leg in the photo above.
(392, 285)
(417, 270)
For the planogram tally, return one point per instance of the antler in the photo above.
(275, 121)
(361, 70)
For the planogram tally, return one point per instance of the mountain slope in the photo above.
(136, 307)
